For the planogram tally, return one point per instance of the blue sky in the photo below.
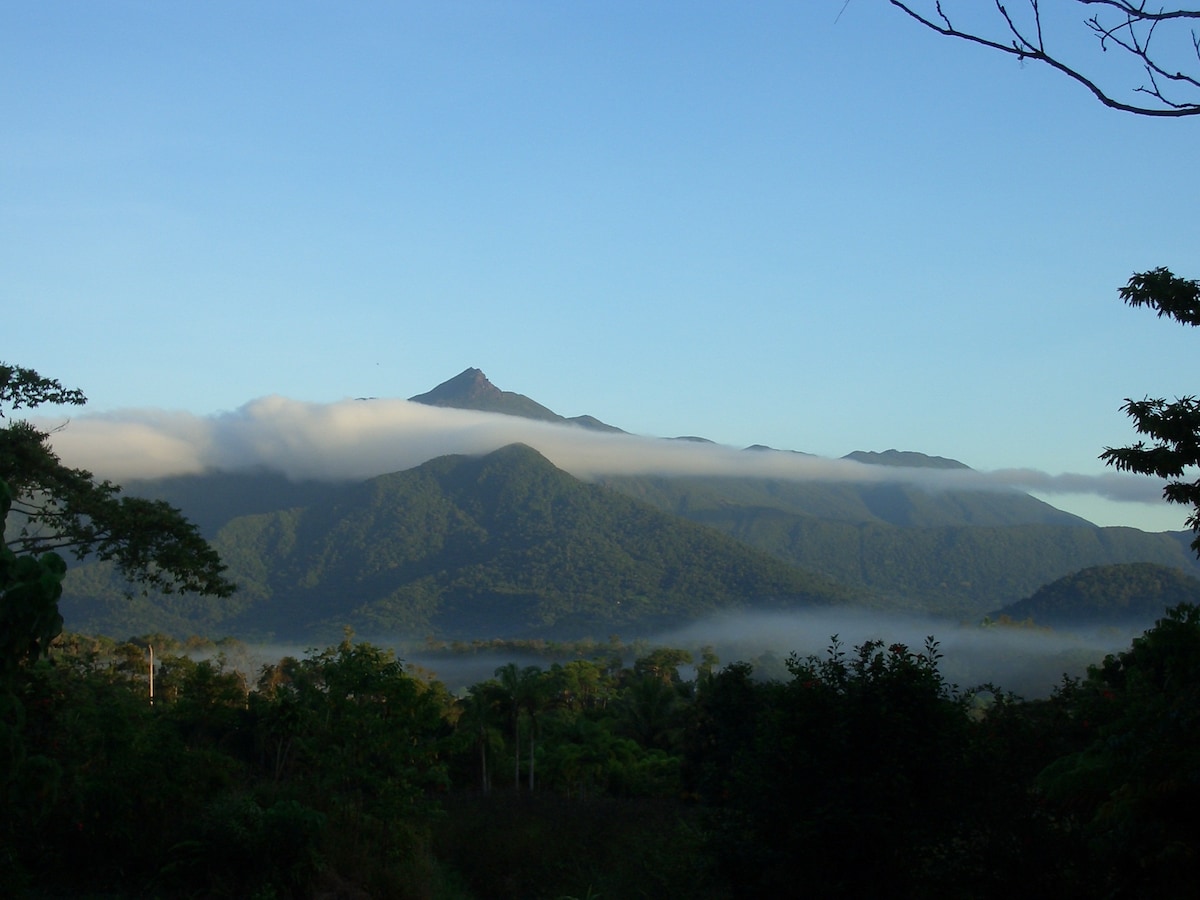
(759, 223)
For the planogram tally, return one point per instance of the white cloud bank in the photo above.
(356, 439)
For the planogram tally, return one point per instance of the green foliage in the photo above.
(53, 768)
(215, 790)
(109, 767)
(1168, 295)
(864, 769)
(1131, 788)
(662, 664)
(350, 724)
(343, 772)
(29, 590)
(22, 387)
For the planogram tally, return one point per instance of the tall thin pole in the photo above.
(151, 675)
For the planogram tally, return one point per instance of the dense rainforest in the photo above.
(344, 772)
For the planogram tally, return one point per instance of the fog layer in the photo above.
(356, 439)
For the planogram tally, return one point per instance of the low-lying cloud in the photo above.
(1030, 662)
(356, 439)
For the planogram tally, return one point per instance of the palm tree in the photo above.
(649, 712)
(479, 711)
(525, 692)
(536, 695)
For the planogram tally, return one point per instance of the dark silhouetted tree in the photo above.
(57, 508)
(1130, 792)
(1172, 426)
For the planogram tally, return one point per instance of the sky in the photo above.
(815, 226)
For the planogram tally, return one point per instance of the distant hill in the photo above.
(961, 553)
(500, 545)
(214, 498)
(470, 389)
(723, 501)
(1131, 594)
(904, 458)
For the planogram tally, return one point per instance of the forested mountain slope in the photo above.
(504, 544)
(1134, 594)
(952, 552)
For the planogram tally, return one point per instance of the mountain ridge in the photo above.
(472, 544)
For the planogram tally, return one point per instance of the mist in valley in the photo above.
(1026, 660)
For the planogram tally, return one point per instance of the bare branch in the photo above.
(1133, 33)
(1141, 13)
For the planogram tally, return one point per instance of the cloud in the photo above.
(1122, 488)
(356, 439)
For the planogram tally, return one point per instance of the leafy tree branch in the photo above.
(1173, 426)
(59, 508)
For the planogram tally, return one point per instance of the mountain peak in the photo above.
(470, 389)
(909, 459)
(464, 390)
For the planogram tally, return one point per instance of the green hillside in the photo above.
(1132, 594)
(722, 499)
(951, 552)
(499, 545)
(435, 548)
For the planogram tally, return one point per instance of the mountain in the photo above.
(441, 548)
(904, 459)
(500, 545)
(728, 502)
(1134, 594)
(470, 389)
(213, 499)
(961, 553)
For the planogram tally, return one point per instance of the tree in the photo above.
(59, 508)
(1129, 791)
(46, 507)
(853, 778)
(1173, 426)
(510, 679)
(29, 590)
(480, 710)
(1151, 38)
(526, 693)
